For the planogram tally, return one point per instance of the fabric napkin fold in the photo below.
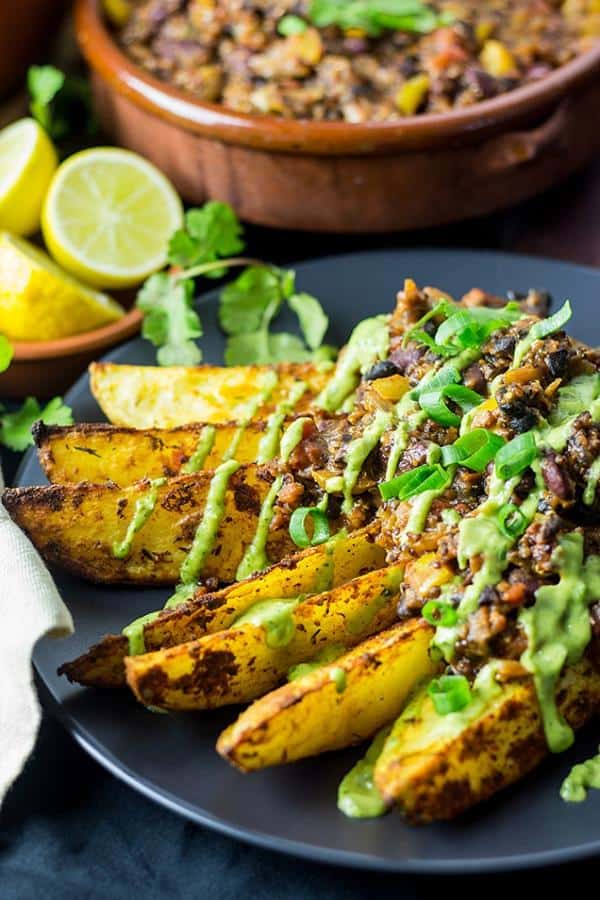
(31, 607)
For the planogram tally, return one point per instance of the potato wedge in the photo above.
(102, 452)
(339, 704)
(155, 397)
(76, 526)
(435, 769)
(239, 664)
(307, 572)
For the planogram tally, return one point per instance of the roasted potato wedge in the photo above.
(239, 664)
(155, 397)
(434, 767)
(77, 525)
(339, 704)
(308, 572)
(102, 452)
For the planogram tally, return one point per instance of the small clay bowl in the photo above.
(47, 368)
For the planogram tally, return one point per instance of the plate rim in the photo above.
(260, 838)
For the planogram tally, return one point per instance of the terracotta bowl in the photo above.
(332, 176)
(27, 28)
(47, 368)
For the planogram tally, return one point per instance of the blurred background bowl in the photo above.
(27, 29)
(332, 176)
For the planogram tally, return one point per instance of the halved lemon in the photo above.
(27, 163)
(40, 302)
(108, 217)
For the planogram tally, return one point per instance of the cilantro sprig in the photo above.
(60, 103)
(15, 427)
(374, 17)
(207, 246)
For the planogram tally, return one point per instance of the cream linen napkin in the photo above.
(30, 607)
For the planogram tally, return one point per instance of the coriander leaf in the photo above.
(15, 428)
(210, 233)
(376, 16)
(248, 348)
(311, 316)
(6, 353)
(244, 302)
(170, 321)
(288, 282)
(60, 103)
(285, 347)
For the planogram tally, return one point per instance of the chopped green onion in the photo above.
(448, 374)
(450, 693)
(473, 450)
(439, 612)
(472, 327)
(511, 521)
(514, 457)
(416, 481)
(298, 533)
(433, 403)
(541, 330)
(443, 308)
(290, 25)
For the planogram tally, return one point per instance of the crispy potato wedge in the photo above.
(155, 397)
(238, 665)
(339, 704)
(75, 526)
(102, 452)
(307, 572)
(435, 769)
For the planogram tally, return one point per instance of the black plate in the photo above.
(293, 809)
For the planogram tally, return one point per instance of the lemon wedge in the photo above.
(108, 217)
(27, 163)
(40, 302)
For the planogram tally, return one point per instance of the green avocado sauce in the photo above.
(369, 342)
(361, 620)
(255, 558)
(206, 532)
(580, 779)
(357, 452)
(358, 796)
(589, 494)
(327, 655)
(269, 384)
(276, 617)
(143, 509)
(558, 631)
(291, 437)
(206, 442)
(269, 444)
(134, 632)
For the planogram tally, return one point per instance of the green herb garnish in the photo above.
(298, 532)
(413, 482)
(516, 456)
(289, 25)
(15, 427)
(60, 103)
(473, 450)
(449, 694)
(377, 16)
(205, 246)
(440, 612)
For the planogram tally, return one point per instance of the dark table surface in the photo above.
(70, 830)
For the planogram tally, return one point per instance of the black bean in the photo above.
(382, 369)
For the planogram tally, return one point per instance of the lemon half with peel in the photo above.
(27, 163)
(40, 302)
(108, 217)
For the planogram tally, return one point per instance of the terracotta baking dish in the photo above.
(47, 368)
(332, 176)
(27, 27)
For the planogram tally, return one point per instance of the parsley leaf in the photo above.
(6, 353)
(60, 103)
(210, 233)
(170, 321)
(311, 316)
(245, 301)
(15, 427)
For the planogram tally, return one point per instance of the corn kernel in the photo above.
(497, 59)
(392, 388)
(117, 11)
(412, 94)
(307, 46)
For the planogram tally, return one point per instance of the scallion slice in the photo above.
(291, 24)
(450, 693)
(439, 612)
(511, 521)
(448, 374)
(473, 450)
(541, 330)
(416, 481)
(298, 533)
(433, 403)
(514, 457)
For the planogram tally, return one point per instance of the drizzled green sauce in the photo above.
(358, 796)
(276, 617)
(327, 655)
(580, 779)
(361, 620)
(369, 342)
(255, 558)
(357, 452)
(204, 446)
(269, 444)
(143, 509)
(206, 532)
(292, 437)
